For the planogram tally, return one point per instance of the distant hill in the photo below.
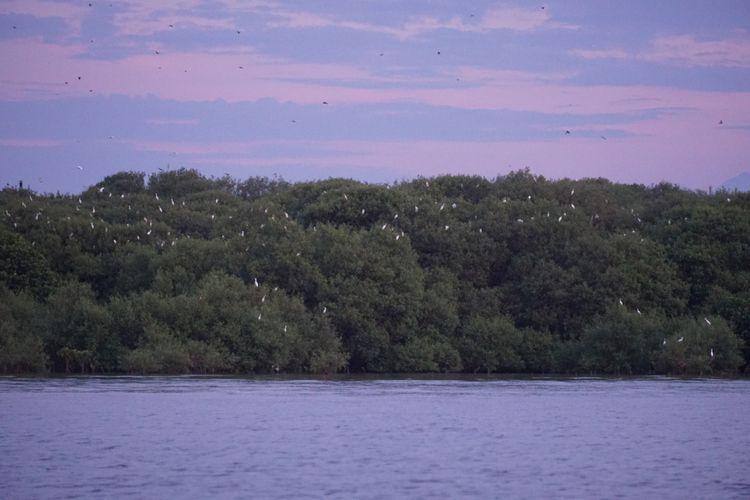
(738, 183)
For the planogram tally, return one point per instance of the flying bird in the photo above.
(79, 167)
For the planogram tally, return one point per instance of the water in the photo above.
(190, 437)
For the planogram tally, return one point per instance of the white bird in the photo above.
(101, 189)
(156, 195)
(363, 211)
(263, 299)
(519, 220)
(637, 310)
(447, 227)
(707, 321)
(395, 217)
(79, 167)
(160, 210)
(680, 339)
(453, 206)
(346, 197)
(712, 352)
(384, 226)
(664, 342)
(256, 282)
(260, 316)
(620, 301)
(572, 206)
(442, 206)
(559, 219)
(324, 309)
(172, 200)
(572, 191)
(284, 328)
(416, 208)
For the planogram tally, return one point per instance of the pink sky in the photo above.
(671, 99)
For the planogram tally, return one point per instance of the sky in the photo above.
(378, 91)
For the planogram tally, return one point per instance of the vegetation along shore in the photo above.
(180, 273)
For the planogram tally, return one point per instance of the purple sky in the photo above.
(649, 91)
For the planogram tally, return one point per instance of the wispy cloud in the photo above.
(499, 18)
(29, 143)
(682, 50)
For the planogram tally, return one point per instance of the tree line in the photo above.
(180, 273)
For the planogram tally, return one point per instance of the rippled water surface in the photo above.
(248, 438)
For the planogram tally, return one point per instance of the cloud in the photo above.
(29, 143)
(499, 18)
(682, 50)
(171, 121)
(685, 50)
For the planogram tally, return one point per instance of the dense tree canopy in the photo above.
(181, 273)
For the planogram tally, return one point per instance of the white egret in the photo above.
(680, 339)
(707, 321)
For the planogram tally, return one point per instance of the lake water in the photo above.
(186, 437)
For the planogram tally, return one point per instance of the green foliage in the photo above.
(188, 274)
(21, 350)
(491, 344)
(620, 342)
